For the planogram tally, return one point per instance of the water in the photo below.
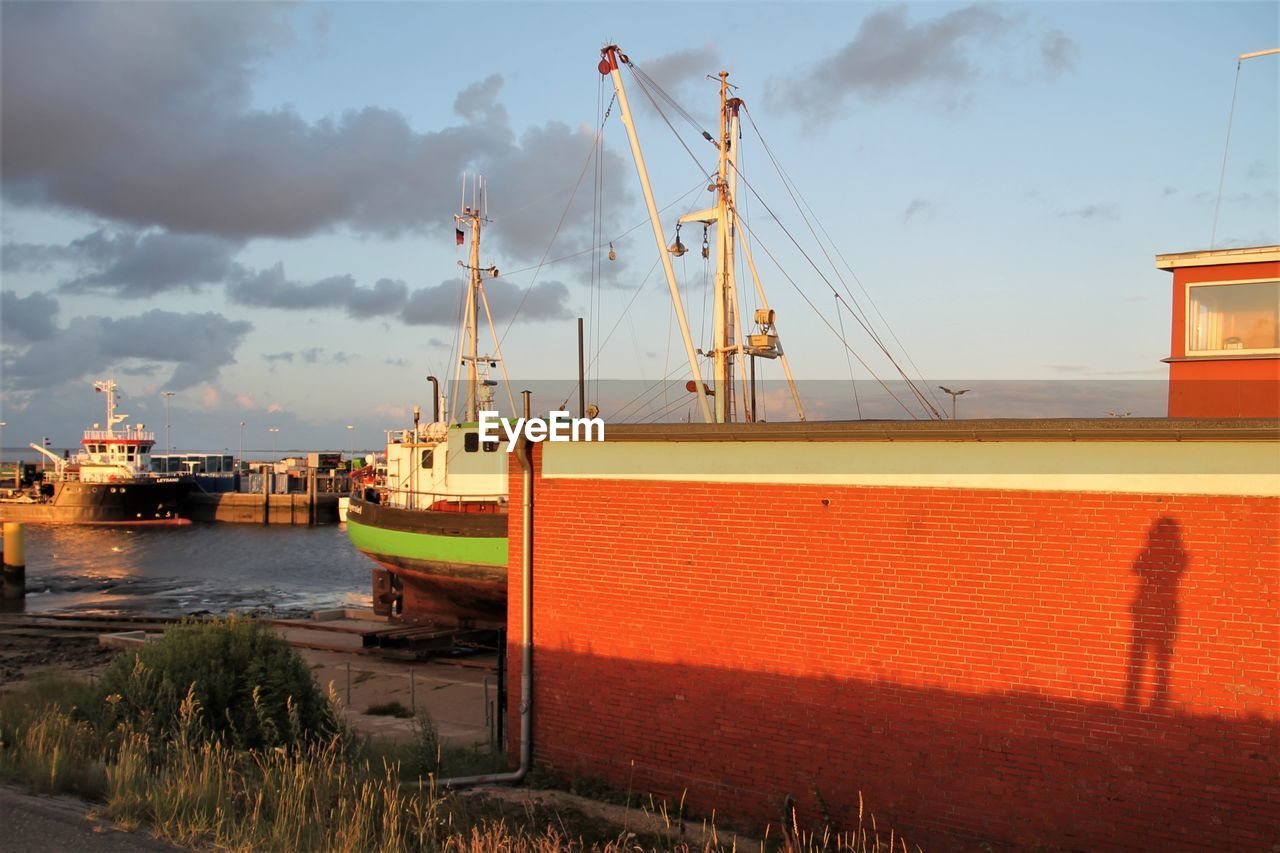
(197, 568)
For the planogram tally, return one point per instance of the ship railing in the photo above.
(437, 496)
(107, 435)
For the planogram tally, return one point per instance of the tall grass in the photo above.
(194, 788)
(264, 771)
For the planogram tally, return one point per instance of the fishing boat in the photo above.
(435, 519)
(108, 481)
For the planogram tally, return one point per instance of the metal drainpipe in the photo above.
(525, 449)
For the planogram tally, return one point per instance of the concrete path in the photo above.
(33, 823)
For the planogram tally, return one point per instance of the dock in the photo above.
(251, 508)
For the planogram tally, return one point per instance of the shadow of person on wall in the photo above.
(1159, 567)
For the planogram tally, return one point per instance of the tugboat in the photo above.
(436, 521)
(109, 480)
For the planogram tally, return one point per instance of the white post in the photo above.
(168, 442)
(609, 65)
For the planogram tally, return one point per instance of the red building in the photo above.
(1224, 359)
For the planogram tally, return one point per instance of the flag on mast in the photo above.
(458, 236)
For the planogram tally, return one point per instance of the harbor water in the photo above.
(193, 569)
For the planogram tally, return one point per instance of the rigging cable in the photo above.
(788, 184)
(616, 239)
(824, 320)
(640, 77)
(848, 361)
(828, 284)
(618, 322)
(1222, 177)
(563, 215)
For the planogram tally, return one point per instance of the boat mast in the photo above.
(728, 343)
(478, 386)
(108, 387)
(725, 315)
(725, 323)
(609, 65)
(471, 218)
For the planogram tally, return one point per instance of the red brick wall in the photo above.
(1082, 670)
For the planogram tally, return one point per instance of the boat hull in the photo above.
(449, 568)
(132, 502)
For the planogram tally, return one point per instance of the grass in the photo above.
(194, 783)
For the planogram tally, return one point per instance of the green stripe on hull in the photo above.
(430, 547)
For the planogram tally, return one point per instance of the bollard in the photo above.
(15, 561)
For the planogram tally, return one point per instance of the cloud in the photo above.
(311, 355)
(1092, 211)
(137, 265)
(890, 54)
(270, 288)
(33, 257)
(1266, 199)
(917, 207)
(1058, 53)
(478, 103)
(29, 318)
(199, 345)
(438, 306)
(674, 71)
(143, 114)
(550, 156)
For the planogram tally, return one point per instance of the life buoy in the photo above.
(111, 479)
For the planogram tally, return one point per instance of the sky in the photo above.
(250, 204)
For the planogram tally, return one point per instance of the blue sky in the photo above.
(204, 198)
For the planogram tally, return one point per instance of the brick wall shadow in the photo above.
(934, 764)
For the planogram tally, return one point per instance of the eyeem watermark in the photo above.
(558, 427)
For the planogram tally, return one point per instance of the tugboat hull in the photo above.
(136, 502)
(449, 568)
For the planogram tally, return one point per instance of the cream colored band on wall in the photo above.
(1134, 467)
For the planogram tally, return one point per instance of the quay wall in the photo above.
(248, 508)
(1064, 634)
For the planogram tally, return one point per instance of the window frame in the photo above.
(1189, 320)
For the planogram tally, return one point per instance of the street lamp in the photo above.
(351, 428)
(953, 394)
(240, 460)
(3, 424)
(273, 431)
(168, 443)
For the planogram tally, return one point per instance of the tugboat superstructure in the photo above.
(108, 481)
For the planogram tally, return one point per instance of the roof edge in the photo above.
(1054, 429)
(1210, 257)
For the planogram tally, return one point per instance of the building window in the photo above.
(471, 442)
(427, 458)
(1237, 318)
(490, 446)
